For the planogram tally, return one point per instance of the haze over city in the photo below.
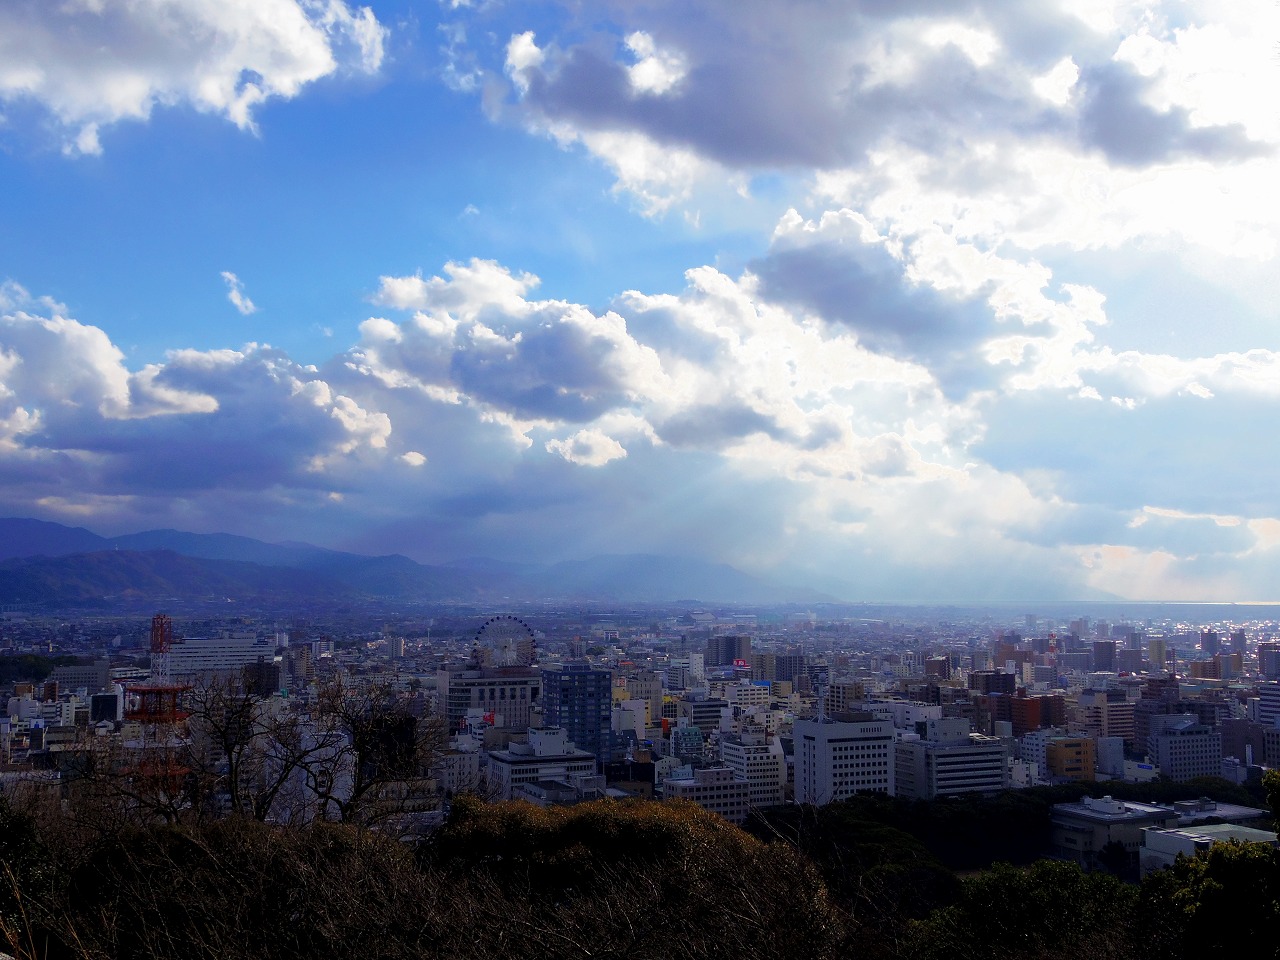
(908, 301)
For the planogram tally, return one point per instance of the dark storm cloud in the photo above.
(1115, 120)
(716, 426)
(764, 87)
(227, 420)
(782, 107)
(768, 88)
(556, 370)
(238, 448)
(861, 287)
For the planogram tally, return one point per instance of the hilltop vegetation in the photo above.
(636, 880)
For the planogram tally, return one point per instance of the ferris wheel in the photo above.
(508, 640)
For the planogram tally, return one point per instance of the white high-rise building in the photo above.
(759, 760)
(746, 693)
(716, 789)
(951, 760)
(835, 759)
(218, 656)
(1187, 749)
(1269, 704)
(548, 755)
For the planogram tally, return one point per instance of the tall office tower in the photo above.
(1104, 655)
(764, 666)
(506, 693)
(938, 667)
(950, 760)
(1185, 750)
(992, 681)
(647, 685)
(1269, 659)
(297, 664)
(1129, 661)
(1104, 713)
(1209, 642)
(1157, 654)
(1238, 642)
(1161, 686)
(758, 759)
(790, 666)
(1026, 715)
(834, 759)
(579, 698)
(722, 651)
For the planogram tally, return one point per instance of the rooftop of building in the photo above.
(1191, 812)
(1109, 810)
(1219, 832)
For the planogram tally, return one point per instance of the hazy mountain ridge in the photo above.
(49, 563)
(91, 578)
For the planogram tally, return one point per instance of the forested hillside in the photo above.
(607, 879)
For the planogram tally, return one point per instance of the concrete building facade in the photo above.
(950, 760)
(760, 761)
(548, 755)
(836, 758)
(579, 698)
(716, 789)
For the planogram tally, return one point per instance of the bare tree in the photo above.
(137, 777)
(356, 753)
(259, 756)
(381, 767)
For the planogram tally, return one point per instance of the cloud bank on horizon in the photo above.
(979, 301)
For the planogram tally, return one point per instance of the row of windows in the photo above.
(502, 693)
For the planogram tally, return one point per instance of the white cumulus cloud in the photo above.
(92, 64)
(235, 293)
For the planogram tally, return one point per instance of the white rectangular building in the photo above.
(834, 759)
(1269, 703)
(549, 755)
(227, 655)
(759, 760)
(1186, 750)
(716, 789)
(949, 761)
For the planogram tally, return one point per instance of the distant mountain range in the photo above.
(50, 564)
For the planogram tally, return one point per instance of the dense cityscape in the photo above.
(558, 759)
(639, 480)
(734, 710)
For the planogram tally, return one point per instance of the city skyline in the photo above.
(902, 302)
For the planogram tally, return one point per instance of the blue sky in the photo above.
(902, 301)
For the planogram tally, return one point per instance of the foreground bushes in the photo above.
(604, 879)
(614, 880)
